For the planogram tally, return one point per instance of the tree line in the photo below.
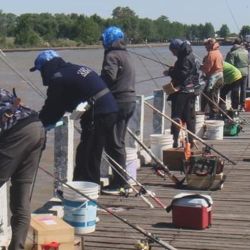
(54, 30)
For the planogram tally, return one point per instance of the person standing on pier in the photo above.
(119, 74)
(232, 79)
(212, 67)
(184, 75)
(22, 139)
(68, 86)
(238, 56)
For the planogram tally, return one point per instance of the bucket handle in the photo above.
(76, 208)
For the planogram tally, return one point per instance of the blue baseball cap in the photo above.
(110, 35)
(42, 58)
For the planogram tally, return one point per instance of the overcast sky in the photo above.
(234, 13)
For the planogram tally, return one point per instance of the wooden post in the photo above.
(64, 152)
(136, 122)
(160, 104)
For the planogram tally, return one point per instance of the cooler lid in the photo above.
(192, 200)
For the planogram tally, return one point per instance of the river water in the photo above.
(22, 61)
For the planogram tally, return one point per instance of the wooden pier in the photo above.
(230, 212)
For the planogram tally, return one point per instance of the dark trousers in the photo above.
(115, 145)
(183, 110)
(20, 153)
(235, 99)
(243, 86)
(89, 151)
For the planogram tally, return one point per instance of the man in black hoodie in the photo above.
(68, 86)
(184, 76)
(119, 74)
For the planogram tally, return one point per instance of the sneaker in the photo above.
(242, 109)
(117, 191)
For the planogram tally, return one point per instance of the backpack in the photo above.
(11, 110)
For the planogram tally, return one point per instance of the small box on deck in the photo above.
(173, 158)
(192, 211)
(45, 229)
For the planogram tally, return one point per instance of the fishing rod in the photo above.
(152, 78)
(147, 234)
(171, 176)
(217, 106)
(189, 132)
(149, 58)
(143, 190)
(243, 119)
(32, 85)
(138, 193)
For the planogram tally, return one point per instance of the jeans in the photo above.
(20, 153)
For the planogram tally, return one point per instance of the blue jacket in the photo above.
(69, 85)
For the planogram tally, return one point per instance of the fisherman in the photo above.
(184, 76)
(232, 80)
(213, 69)
(238, 56)
(68, 86)
(22, 139)
(118, 72)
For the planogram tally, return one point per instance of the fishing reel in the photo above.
(143, 244)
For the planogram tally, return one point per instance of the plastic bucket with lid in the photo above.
(199, 124)
(132, 163)
(214, 129)
(80, 212)
(159, 142)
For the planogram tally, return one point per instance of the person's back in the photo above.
(230, 73)
(22, 141)
(213, 69)
(69, 85)
(118, 72)
(238, 56)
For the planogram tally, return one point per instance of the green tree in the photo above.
(224, 31)
(245, 30)
(25, 35)
(208, 31)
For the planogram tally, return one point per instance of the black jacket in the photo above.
(185, 69)
(69, 85)
(119, 72)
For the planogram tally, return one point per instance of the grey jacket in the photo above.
(238, 56)
(118, 72)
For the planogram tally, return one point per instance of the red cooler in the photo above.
(190, 210)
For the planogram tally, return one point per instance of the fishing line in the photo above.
(143, 64)
(149, 58)
(26, 80)
(147, 234)
(232, 15)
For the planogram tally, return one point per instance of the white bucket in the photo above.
(214, 129)
(132, 163)
(199, 124)
(159, 142)
(80, 212)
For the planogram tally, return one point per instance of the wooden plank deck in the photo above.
(230, 213)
